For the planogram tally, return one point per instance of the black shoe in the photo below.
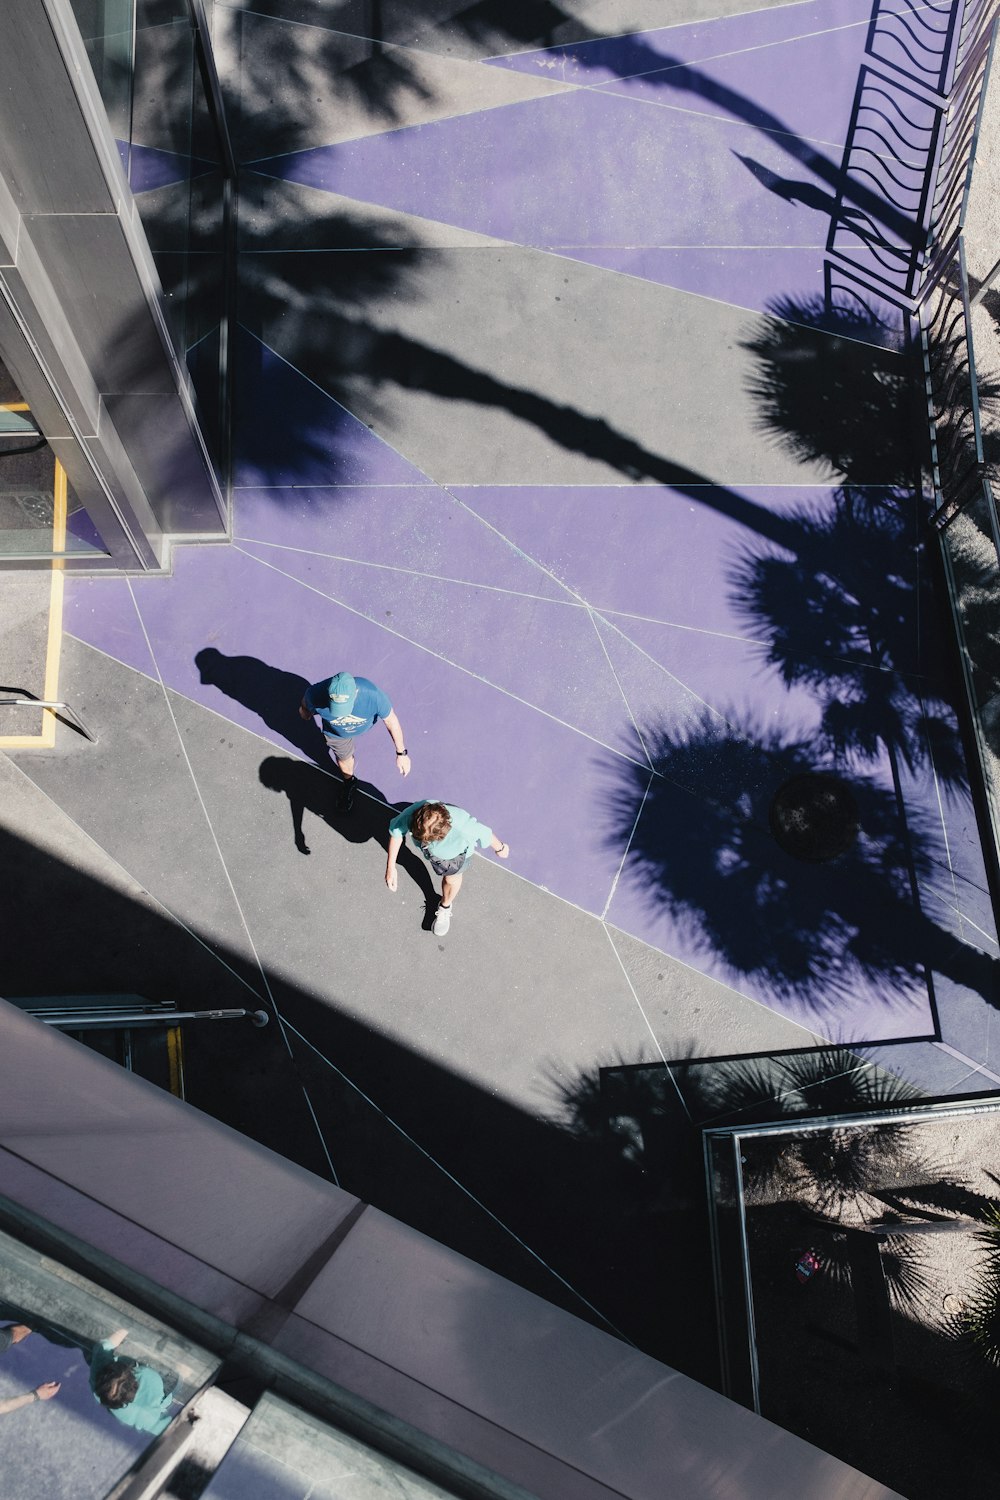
(347, 801)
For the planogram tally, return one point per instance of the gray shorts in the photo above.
(446, 866)
(340, 746)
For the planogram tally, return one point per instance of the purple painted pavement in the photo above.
(289, 432)
(805, 56)
(654, 577)
(755, 278)
(82, 535)
(655, 177)
(869, 1013)
(634, 54)
(516, 664)
(100, 611)
(716, 168)
(219, 598)
(591, 628)
(149, 167)
(420, 528)
(730, 675)
(568, 676)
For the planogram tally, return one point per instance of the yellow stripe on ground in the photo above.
(14, 406)
(53, 648)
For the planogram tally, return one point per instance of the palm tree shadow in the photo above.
(829, 394)
(842, 613)
(816, 930)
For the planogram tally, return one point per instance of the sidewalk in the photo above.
(543, 425)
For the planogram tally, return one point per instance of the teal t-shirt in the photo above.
(465, 833)
(149, 1410)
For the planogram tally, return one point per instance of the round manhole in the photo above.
(814, 817)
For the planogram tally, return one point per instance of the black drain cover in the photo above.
(814, 817)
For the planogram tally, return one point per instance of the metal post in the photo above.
(985, 285)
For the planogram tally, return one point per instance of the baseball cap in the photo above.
(343, 690)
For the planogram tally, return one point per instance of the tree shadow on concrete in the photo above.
(703, 850)
(827, 394)
(324, 302)
(374, 67)
(844, 616)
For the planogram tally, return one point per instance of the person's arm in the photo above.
(395, 728)
(306, 707)
(487, 839)
(43, 1392)
(398, 829)
(12, 1334)
(500, 849)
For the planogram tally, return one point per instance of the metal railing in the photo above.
(951, 383)
(960, 135)
(906, 172)
(111, 1020)
(74, 718)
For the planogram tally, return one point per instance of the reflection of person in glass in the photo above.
(133, 1393)
(44, 1392)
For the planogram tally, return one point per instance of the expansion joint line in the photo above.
(229, 879)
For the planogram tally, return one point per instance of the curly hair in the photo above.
(430, 823)
(115, 1386)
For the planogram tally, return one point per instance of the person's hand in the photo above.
(403, 762)
(48, 1390)
(118, 1337)
(18, 1331)
(304, 712)
(503, 851)
(391, 879)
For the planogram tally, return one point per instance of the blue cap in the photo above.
(343, 690)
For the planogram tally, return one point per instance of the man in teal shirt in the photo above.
(447, 837)
(348, 707)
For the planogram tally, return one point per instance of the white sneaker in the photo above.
(442, 920)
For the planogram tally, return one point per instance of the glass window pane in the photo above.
(40, 516)
(120, 1376)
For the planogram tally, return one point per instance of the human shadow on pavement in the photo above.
(273, 694)
(311, 790)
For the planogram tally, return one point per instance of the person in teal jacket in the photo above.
(447, 837)
(134, 1394)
